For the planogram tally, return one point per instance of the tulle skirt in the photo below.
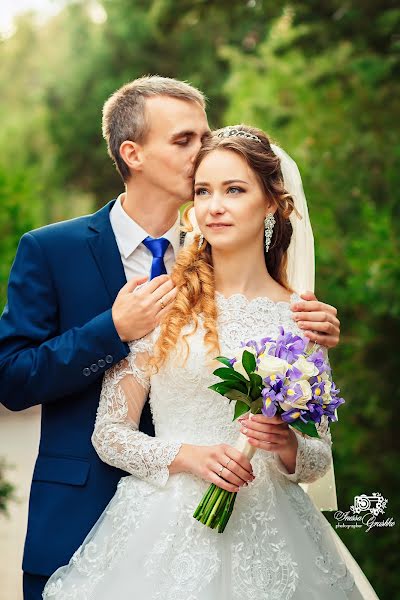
(148, 546)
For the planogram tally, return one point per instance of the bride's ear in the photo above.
(270, 208)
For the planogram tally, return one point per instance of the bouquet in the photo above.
(272, 377)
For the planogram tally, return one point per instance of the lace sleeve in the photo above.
(116, 437)
(314, 456)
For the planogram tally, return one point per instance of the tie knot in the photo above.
(157, 246)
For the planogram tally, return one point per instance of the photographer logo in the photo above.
(364, 513)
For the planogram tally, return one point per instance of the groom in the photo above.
(70, 312)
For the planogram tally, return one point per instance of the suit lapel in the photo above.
(105, 251)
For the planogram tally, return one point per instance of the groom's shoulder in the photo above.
(71, 229)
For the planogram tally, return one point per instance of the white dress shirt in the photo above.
(136, 258)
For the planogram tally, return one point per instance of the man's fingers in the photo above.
(161, 292)
(156, 282)
(132, 284)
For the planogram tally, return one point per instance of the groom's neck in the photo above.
(153, 210)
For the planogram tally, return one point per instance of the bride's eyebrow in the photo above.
(228, 182)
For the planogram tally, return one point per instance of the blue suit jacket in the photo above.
(57, 338)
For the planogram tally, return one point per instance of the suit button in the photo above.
(94, 368)
(109, 359)
(101, 363)
(86, 372)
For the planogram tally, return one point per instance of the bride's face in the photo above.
(229, 202)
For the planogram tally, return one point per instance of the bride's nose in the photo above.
(216, 206)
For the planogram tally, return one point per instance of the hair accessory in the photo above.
(269, 223)
(233, 132)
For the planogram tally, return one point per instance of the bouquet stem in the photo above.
(217, 504)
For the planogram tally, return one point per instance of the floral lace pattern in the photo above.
(259, 556)
(115, 438)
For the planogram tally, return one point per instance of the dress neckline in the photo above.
(256, 299)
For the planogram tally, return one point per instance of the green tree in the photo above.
(335, 110)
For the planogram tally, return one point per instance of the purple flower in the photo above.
(294, 374)
(251, 344)
(293, 414)
(315, 411)
(293, 393)
(275, 381)
(287, 346)
(318, 359)
(318, 389)
(269, 406)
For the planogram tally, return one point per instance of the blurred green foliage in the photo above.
(6, 490)
(323, 80)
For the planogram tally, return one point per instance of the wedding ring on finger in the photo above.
(162, 303)
(229, 460)
(221, 469)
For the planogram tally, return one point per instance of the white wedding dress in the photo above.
(148, 546)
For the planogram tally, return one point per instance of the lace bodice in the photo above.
(184, 409)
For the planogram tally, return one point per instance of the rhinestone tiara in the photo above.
(233, 132)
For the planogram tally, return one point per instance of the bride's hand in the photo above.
(269, 433)
(221, 464)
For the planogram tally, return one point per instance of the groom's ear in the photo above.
(131, 154)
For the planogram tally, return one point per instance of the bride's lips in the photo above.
(218, 225)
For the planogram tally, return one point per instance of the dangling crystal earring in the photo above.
(269, 223)
(201, 240)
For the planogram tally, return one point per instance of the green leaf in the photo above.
(224, 361)
(240, 409)
(238, 396)
(256, 405)
(225, 373)
(222, 387)
(249, 362)
(307, 428)
(256, 385)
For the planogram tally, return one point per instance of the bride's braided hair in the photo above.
(193, 273)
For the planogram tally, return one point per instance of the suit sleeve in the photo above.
(37, 365)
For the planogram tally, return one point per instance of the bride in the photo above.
(233, 285)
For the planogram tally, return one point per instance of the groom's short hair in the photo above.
(124, 115)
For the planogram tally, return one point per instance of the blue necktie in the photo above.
(157, 247)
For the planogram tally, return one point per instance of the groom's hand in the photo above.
(136, 312)
(317, 320)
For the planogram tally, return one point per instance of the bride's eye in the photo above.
(201, 192)
(235, 189)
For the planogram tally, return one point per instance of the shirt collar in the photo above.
(130, 235)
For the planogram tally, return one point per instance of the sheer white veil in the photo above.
(301, 277)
